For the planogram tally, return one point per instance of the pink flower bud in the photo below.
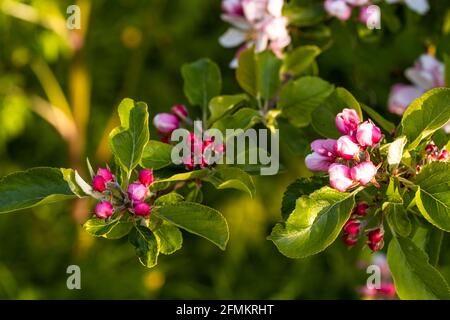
(347, 121)
(375, 246)
(141, 209)
(137, 192)
(105, 174)
(99, 184)
(443, 156)
(418, 168)
(363, 172)
(388, 289)
(166, 122)
(232, 7)
(103, 210)
(349, 240)
(375, 235)
(338, 8)
(368, 134)
(317, 162)
(180, 111)
(352, 227)
(361, 208)
(146, 177)
(347, 148)
(340, 178)
(430, 148)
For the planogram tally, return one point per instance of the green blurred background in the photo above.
(135, 48)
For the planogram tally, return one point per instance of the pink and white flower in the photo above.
(347, 121)
(347, 148)
(340, 178)
(166, 122)
(138, 192)
(256, 23)
(427, 72)
(104, 210)
(368, 134)
(402, 96)
(364, 172)
(324, 154)
(339, 9)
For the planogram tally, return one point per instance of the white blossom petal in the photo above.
(232, 38)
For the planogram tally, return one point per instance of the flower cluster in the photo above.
(200, 149)
(386, 289)
(258, 23)
(433, 153)
(427, 73)
(342, 9)
(335, 156)
(353, 228)
(114, 198)
(166, 123)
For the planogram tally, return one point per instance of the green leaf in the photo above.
(146, 245)
(397, 218)
(169, 198)
(197, 219)
(304, 16)
(429, 239)
(325, 115)
(300, 187)
(299, 98)
(196, 174)
(243, 119)
(34, 187)
(156, 155)
(246, 72)
(267, 74)
(128, 141)
(425, 115)
(378, 119)
(232, 178)
(433, 195)
(202, 81)
(107, 229)
(414, 277)
(169, 238)
(222, 105)
(314, 224)
(299, 60)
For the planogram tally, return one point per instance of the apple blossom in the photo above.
(104, 210)
(361, 208)
(146, 177)
(317, 162)
(338, 8)
(180, 111)
(419, 6)
(352, 227)
(349, 240)
(368, 134)
(99, 184)
(324, 147)
(375, 239)
(261, 24)
(347, 121)
(137, 192)
(105, 174)
(427, 72)
(166, 122)
(340, 178)
(401, 96)
(141, 209)
(347, 148)
(364, 172)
